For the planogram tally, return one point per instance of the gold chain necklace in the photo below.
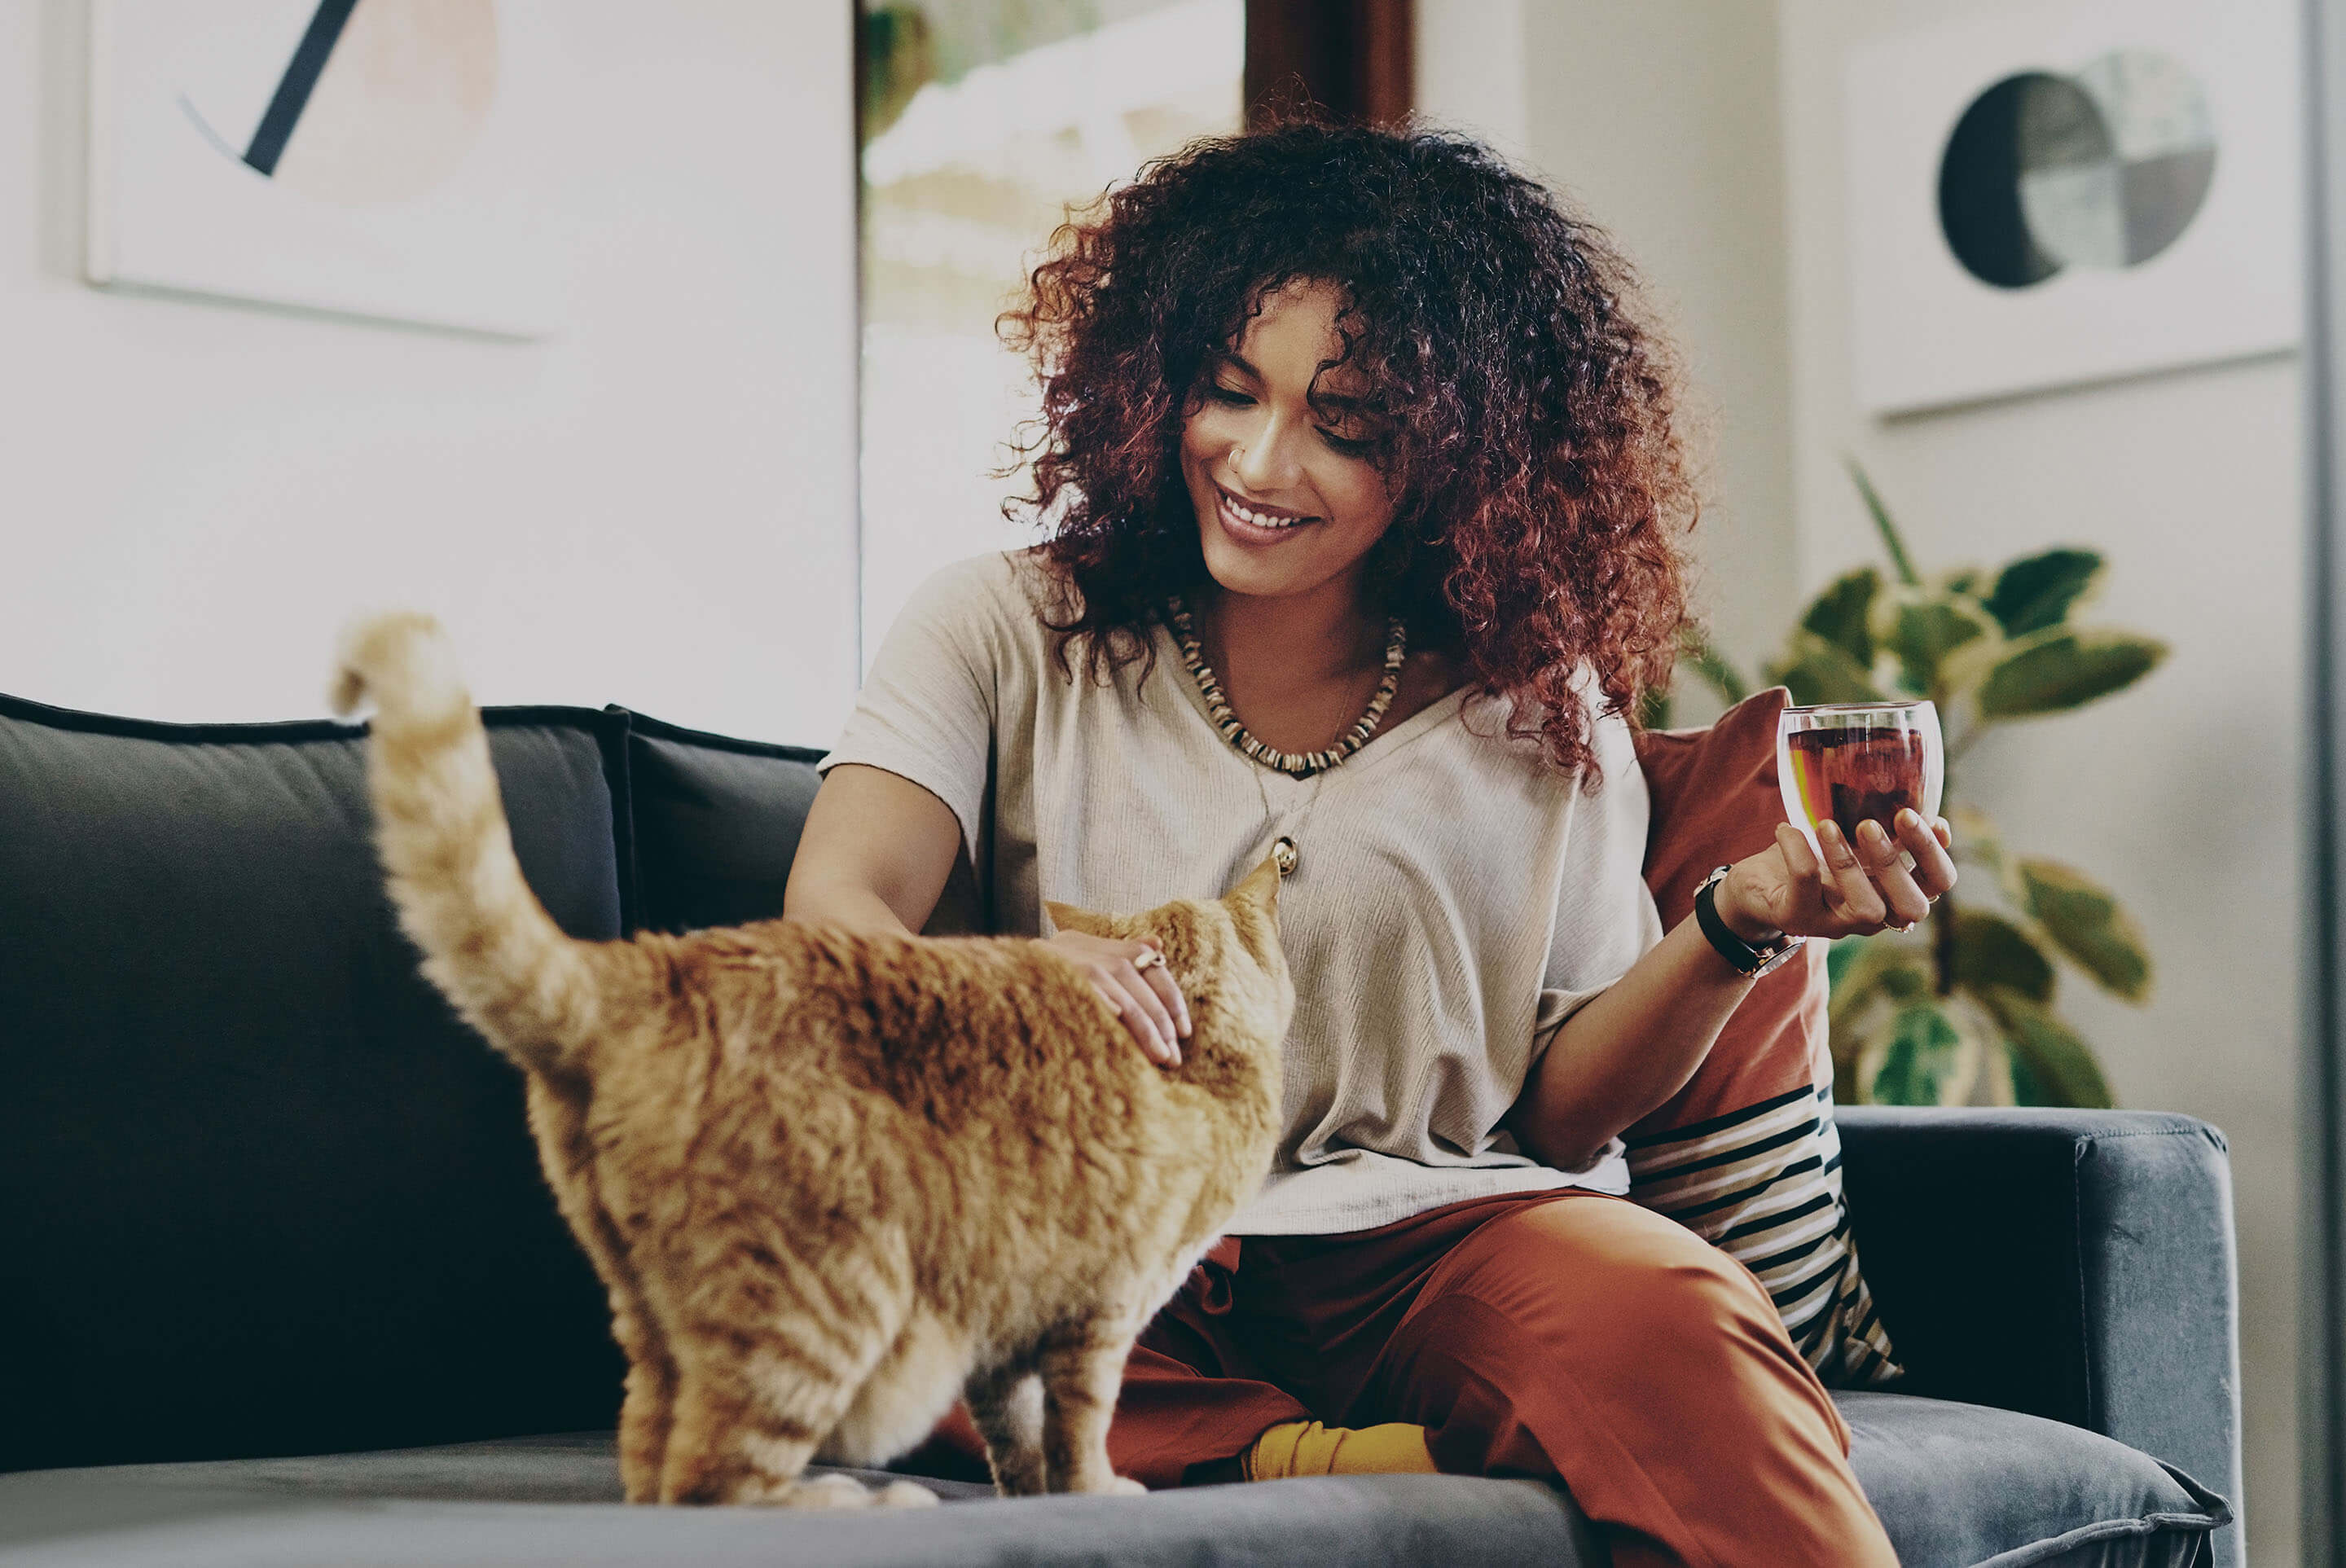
(1298, 765)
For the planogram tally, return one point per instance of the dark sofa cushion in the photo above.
(1958, 1485)
(716, 824)
(260, 1191)
(554, 1501)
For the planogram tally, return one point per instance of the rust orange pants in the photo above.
(1557, 1335)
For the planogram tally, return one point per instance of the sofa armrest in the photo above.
(2078, 1264)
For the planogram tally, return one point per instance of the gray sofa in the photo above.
(260, 1196)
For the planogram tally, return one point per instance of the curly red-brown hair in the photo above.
(1542, 487)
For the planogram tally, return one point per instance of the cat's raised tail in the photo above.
(440, 827)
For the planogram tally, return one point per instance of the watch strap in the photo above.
(1741, 955)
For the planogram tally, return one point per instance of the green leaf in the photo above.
(1654, 708)
(1930, 1060)
(2051, 1065)
(2060, 668)
(1711, 664)
(1921, 630)
(2084, 921)
(1817, 671)
(1880, 513)
(1838, 615)
(1867, 970)
(2039, 591)
(1990, 952)
(1965, 581)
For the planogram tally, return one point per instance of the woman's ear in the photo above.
(1067, 917)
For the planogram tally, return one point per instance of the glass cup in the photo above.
(1849, 761)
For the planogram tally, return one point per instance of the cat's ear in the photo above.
(1261, 888)
(1067, 917)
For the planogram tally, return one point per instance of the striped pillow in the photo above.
(1746, 1155)
(1763, 1185)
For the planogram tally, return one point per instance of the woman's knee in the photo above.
(1646, 1284)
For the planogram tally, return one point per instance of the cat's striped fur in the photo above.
(833, 1180)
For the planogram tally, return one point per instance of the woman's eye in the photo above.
(1346, 446)
(1231, 395)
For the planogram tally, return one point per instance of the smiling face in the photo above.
(1279, 471)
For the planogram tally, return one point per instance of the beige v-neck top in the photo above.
(1457, 899)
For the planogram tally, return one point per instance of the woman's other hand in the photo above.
(1859, 888)
(1130, 977)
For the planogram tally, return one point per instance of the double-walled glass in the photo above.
(1850, 761)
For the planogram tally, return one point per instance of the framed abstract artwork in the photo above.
(383, 159)
(2069, 193)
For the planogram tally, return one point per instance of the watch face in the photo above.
(1777, 959)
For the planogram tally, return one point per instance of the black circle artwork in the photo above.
(2104, 167)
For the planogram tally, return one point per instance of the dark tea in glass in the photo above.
(1850, 761)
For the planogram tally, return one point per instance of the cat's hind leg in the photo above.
(1005, 1402)
(905, 1396)
(1082, 1368)
(644, 1412)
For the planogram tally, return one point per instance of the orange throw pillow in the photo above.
(1747, 1156)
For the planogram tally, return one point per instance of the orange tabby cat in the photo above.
(830, 1180)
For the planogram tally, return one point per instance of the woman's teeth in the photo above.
(1259, 519)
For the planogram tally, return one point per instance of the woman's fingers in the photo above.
(1850, 893)
(1176, 1006)
(1133, 1014)
(1879, 853)
(1143, 996)
(1934, 868)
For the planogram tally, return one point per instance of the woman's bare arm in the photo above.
(875, 853)
(874, 858)
(1631, 1048)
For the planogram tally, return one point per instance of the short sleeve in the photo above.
(928, 707)
(1605, 920)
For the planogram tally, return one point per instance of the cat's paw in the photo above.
(826, 1491)
(906, 1494)
(1125, 1486)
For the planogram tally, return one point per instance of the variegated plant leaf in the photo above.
(2062, 667)
(2051, 1065)
(1923, 630)
(2039, 591)
(1818, 671)
(1838, 615)
(1990, 952)
(2086, 922)
(1931, 1058)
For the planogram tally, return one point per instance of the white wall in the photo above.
(656, 509)
(1660, 119)
(2180, 794)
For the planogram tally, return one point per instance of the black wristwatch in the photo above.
(1746, 959)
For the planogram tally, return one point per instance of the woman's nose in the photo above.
(1264, 464)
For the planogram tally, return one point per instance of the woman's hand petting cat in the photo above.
(1144, 999)
(1861, 887)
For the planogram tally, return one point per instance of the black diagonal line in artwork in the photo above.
(276, 128)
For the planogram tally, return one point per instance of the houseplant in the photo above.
(1962, 1009)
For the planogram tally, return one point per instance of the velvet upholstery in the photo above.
(2076, 1265)
(1957, 1485)
(260, 1194)
(259, 1190)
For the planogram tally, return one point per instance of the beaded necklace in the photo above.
(1306, 764)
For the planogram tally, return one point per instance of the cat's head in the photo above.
(1223, 953)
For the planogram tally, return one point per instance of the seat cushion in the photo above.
(260, 1191)
(1958, 1485)
(556, 1500)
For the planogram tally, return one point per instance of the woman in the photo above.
(1364, 508)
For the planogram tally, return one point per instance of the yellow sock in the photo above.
(1307, 1448)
